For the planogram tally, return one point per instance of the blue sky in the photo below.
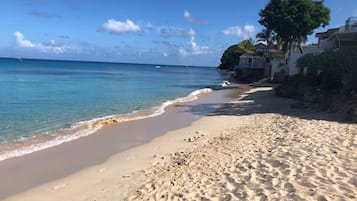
(184, 32)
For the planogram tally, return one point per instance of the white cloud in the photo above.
(187, 15)
(194, 48)
(248, 31)
(51, 46)
(21, 41)
(189, 18)
(113, 26)
(191, 33)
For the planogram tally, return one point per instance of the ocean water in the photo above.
(39, 97)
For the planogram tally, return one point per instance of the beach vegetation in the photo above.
(328, 80)
(336, 69)
(247, 46)
(293, 20)
(230, 57)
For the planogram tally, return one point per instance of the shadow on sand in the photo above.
(262, 101)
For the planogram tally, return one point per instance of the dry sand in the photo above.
(256, 148)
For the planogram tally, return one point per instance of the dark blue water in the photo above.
(40, 96)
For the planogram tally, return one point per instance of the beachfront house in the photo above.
(261, 48)
(252, 66)
(341, 37)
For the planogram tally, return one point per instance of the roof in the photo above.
(260, 45)
(326, 34)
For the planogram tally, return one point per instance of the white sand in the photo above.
(258, 155)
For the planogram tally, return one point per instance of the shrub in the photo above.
(336, 69)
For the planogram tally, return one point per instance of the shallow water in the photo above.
(41, 96)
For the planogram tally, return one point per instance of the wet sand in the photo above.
(25, 172)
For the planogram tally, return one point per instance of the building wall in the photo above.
(295, 55)
(325, 45)
(252, 62)
(278, 65)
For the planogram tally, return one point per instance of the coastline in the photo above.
(43, 166)
(252, 147)
(81, 129)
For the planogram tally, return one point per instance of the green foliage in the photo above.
(337, 69)
(294, 20)
(296, 86)
(331, 83)
(308, 60)
(278, 55)
(230, 57)
(247, 46)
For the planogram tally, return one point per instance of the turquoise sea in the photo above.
(41, 97)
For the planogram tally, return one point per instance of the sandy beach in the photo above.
(252, 147)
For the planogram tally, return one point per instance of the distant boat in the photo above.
(157, 66)
(20, 59)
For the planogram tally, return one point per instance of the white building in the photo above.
(342, 37)
(295, 54)
(253, 66)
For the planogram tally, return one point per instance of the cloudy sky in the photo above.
(187, 32)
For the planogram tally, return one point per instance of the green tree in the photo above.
(230, 57)
(294, 20)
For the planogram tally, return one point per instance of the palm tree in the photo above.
(247, 46)
(271, 38)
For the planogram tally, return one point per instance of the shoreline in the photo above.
(253, 146)
(81, 129)
(110, 139)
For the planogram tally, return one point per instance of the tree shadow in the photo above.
(263, 101)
